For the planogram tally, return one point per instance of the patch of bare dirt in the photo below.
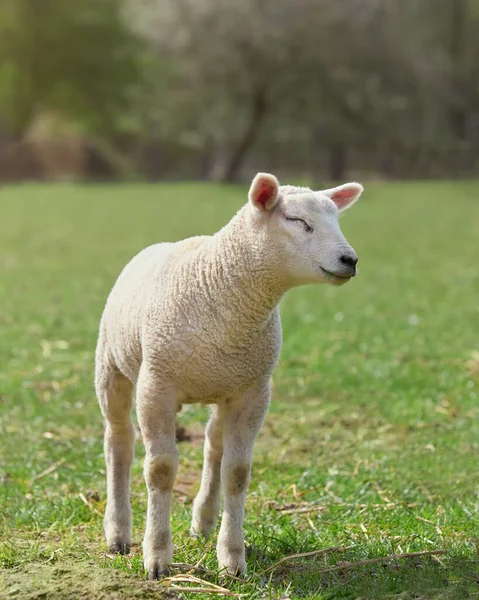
(76, 581)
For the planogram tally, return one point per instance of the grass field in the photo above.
(372, 440)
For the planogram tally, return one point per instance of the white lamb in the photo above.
(198, 321)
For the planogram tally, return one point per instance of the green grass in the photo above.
(374, 423)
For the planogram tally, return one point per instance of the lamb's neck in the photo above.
(241, 276)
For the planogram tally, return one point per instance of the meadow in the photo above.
(371, 444)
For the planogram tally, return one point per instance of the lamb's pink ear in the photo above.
(264, 191)
(344, 195)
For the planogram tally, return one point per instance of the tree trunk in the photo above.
(457, 111)
(26, 56)
(337, 161)
(316, 155)
(236, 159)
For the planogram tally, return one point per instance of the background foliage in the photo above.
(209, 88)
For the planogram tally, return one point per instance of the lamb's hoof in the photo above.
(234, 565)
(118, 547)
(158, 571)
(202, 530)
(194, 533)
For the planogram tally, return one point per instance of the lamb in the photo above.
(198, 321)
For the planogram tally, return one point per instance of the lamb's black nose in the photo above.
(349, 259)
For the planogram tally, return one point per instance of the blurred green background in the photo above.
(218, 89)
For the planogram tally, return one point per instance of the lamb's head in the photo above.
(301, 229)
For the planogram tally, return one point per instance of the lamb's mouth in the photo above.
(335, 275)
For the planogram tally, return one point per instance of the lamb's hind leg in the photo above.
(156, 409)
(115, 397)
(206, 506)
(242, 422)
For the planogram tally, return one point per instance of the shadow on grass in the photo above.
(419, 578)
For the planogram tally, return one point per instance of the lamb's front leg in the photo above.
(156, 408)
(242, 422)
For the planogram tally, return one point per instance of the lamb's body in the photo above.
(202, 311)
(198, 321)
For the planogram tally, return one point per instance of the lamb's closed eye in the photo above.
(307, 227)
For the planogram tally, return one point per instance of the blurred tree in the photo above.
(77, 57)
(235, 63)
(338, 77)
